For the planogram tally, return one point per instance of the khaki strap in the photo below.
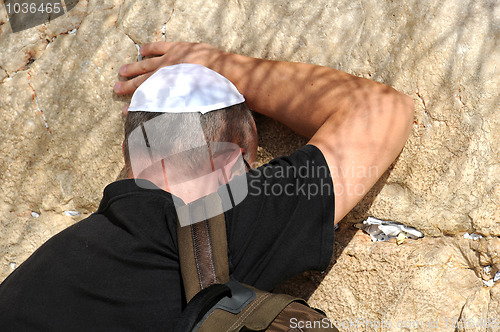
(257, 316)
(202, 245)
(310, 320)
(267, 312)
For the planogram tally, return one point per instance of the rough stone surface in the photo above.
(414, 286)
(61, 134)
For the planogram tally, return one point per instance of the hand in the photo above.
(164, 54)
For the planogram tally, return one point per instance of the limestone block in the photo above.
(82, 113)
(493, 307)
(20, 49)
(402, 286)
(24, 140)
(475, 311)
(66, 23)
(489, 250)
(142, 31)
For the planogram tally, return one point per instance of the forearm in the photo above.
(302, 96)
(355, 122)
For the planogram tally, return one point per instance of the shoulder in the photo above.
(289, 207)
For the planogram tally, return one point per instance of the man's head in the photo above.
(179, 132)
(187, 130)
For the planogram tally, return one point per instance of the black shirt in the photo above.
(118, 269)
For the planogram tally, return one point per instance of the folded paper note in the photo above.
(384, 230)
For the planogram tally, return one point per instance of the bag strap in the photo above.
(200, 305)
(202, 245)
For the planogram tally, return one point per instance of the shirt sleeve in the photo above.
(285, 225)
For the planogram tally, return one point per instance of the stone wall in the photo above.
(61, 135)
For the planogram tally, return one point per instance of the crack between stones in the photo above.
(43, 36)
(31, 58)
(132, 39)
(449, 150)
(164, 28)
(5, 78)
(461, 318)
(119, 28)
(422, 100)
(13, 73)
(35, 103)
(417, 92)
(67, 32)
(459, 98)
(119, 12)
(139, 56)
(174, 4)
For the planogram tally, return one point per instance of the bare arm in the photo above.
(359, 125)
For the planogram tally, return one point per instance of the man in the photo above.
(119, 268)
(355, 122)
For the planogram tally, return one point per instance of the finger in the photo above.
(156, 48)
(128, 87)
(125, 109)
(141, 67)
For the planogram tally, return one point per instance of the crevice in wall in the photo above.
(132, 39)
(164, 27)
(417, 92)
(6, 77)
(30, 61)
(51, 40)
(422, 100)
(120, 6)
(11, 74)
(139, 56)
(119, 12)
(460, 316)
(459, 98)
(35, 103)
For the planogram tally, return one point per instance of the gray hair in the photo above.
(181, 131)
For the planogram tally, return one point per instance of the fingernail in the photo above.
(123, 69)
(117, 86)
(141, 49)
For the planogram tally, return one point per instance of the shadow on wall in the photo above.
(408, 49)
(409, 21)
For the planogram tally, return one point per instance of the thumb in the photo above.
(125, 109)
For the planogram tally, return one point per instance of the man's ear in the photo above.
(227, 165)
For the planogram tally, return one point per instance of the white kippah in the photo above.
(185, 88)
